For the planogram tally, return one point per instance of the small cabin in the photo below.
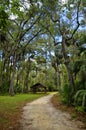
(38, 87)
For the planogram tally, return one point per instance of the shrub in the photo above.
(80, 100)
(18, 88)
(4, 88)
(79, 85)
(65, 92)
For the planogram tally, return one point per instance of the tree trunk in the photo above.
(55, 66)
(71, 79)
(25, 89)
(11, 89)
(67, 64)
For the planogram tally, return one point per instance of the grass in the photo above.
(10, 107)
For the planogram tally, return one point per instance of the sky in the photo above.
(64, 1)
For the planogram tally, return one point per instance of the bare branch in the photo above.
(78, 24)
(14, 20)
(32, 38)
(55, 44)
(29, 28)
(11, 35)
(47, 28)
(54, 20)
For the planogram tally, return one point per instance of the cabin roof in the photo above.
(38, 85)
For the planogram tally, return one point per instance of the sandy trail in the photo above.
(41, 115)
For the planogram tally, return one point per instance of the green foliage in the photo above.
(65, 93)
(4, 82)
(80, 100)
(84, 2)
(79, 86)
(79, 70)
(83, 73)
(4, 88)
(3, 19)
(18, 88)
(31, 52)
(80, 73)
(51, 87)
(77, 65)
(3, 14)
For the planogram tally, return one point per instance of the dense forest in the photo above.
(44, 41)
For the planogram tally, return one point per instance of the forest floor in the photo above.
(42, 115)
(11, 109)
(47, 113)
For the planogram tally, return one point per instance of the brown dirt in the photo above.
(12, 119)
(75, 115)
(41, 115)
(14, 124)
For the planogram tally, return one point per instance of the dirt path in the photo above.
(41, 115)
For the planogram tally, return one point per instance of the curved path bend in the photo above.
(41, 115)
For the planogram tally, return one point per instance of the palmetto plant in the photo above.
(80, 99)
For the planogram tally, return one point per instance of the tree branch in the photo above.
(78, 24)
(55, 20)
(11, 35)
(32, 38)
(22, 35)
